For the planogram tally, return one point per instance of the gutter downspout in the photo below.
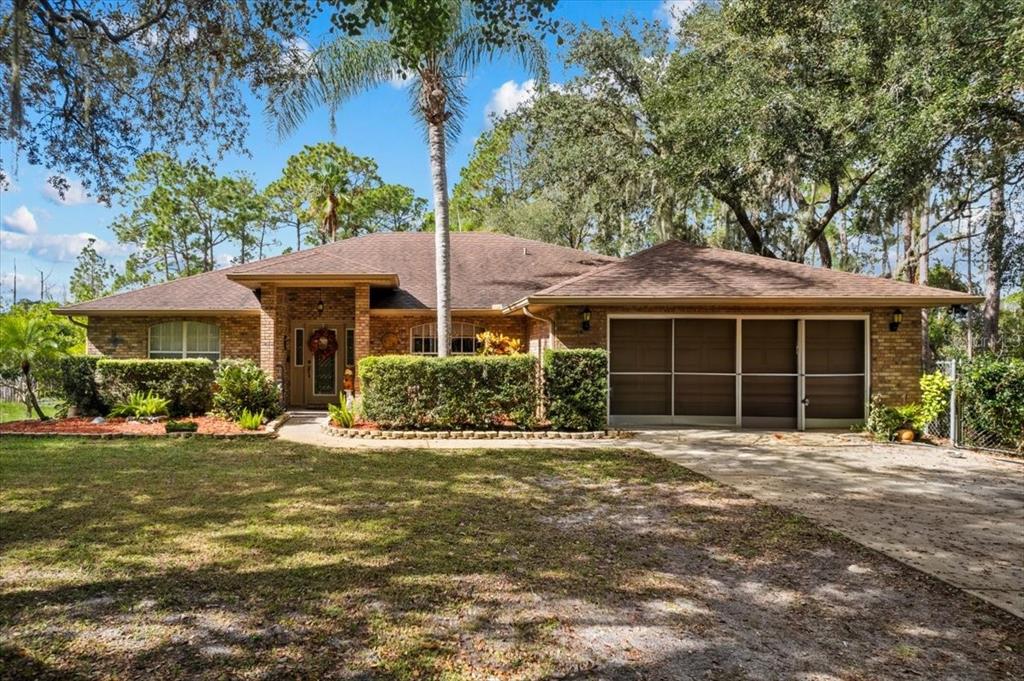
(541, 407)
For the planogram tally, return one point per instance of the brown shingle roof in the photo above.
(679, 272)
(487, 269)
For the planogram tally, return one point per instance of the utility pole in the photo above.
(42, 284)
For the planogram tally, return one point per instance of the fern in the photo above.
(250, 420)
(141, 405)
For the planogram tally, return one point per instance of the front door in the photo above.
(317, 373)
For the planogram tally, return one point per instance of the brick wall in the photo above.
(389, 333)
(128, 337)
(895, 356)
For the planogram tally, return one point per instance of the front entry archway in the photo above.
(316, 378)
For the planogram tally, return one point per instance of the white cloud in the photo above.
(674, 11)
(56, 247)
(74, 196)
(509, 97)
(21, 221)
(399, 81)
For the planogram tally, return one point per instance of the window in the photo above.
(423, 339)
(179, 340)
(300, 346)
(350, 347)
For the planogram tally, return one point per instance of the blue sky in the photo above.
(41, 232)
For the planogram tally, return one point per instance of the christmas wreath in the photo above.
(323, 343)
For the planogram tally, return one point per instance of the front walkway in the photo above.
(956, 515)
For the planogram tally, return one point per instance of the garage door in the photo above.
(767, 373)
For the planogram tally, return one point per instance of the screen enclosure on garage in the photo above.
(750, 371)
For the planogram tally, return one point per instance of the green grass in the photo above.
(231, 559)
(15, 411)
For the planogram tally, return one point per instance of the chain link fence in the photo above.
(961, 423)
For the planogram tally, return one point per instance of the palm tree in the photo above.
(437, 77)
(27, 339)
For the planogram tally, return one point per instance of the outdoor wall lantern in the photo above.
(320, 305)
(897, 318)
(585, 319)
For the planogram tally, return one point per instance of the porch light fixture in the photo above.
(897, 318)
(585, 319)
(320, 304)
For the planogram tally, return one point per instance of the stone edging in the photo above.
(467, 434)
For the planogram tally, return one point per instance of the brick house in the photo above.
(695, 335)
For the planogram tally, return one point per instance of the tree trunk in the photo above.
(922, 278)
(442, 255)
(298, 234)
(910, 271)
(27, 373)
(824, 251)
(995, 237)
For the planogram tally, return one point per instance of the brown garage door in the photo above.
(685, 371)
(770, 373)
(640, 364)
(834, 371)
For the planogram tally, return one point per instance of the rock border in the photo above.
(362, 433)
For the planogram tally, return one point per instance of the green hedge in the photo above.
(78, 384)
(576, 389)
(187, 383)
(990, 392)
(240, 385)
(451, 392)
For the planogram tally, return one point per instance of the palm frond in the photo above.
(333, 74)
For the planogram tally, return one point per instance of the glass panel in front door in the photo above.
(325, 374)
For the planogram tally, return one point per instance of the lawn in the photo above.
(15, 411)
(170, 559)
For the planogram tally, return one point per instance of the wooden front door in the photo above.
(316, 379)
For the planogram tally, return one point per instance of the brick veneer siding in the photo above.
(363, 327)
(895, 356)
(389, 333)
(239, 336)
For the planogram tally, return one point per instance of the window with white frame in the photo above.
(182, 340)
(423, 338)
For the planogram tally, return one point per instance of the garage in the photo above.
(748, 371)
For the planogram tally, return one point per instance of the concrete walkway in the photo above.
(956, 515)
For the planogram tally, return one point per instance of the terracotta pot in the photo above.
(905, 435)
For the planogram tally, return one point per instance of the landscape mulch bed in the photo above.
(208, 425)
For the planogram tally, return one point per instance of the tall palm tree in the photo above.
(437, 78)
(26, 339)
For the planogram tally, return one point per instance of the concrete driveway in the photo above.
(956, 515)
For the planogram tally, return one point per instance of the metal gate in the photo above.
(959, 424)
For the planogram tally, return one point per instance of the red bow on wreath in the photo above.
(323, 343)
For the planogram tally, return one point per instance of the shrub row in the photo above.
(480, 392)
(449, 392)
(186, 383)
(191, 386)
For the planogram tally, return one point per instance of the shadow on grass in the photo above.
(276, 560)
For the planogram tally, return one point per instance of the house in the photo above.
(695, 335)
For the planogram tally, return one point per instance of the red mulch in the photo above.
(84, 426)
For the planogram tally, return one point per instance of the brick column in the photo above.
(362, 330)
(270, 330)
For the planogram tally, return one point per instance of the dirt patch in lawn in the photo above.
(208, 425)
(259, 560)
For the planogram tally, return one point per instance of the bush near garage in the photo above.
(576, 389)
(186, 383)
(473, 392)
(990, 395)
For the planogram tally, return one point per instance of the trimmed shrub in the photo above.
(241, 385)
(990, 392)
(78, 384)
(449, 392)
(187, 383)
(576, 389)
